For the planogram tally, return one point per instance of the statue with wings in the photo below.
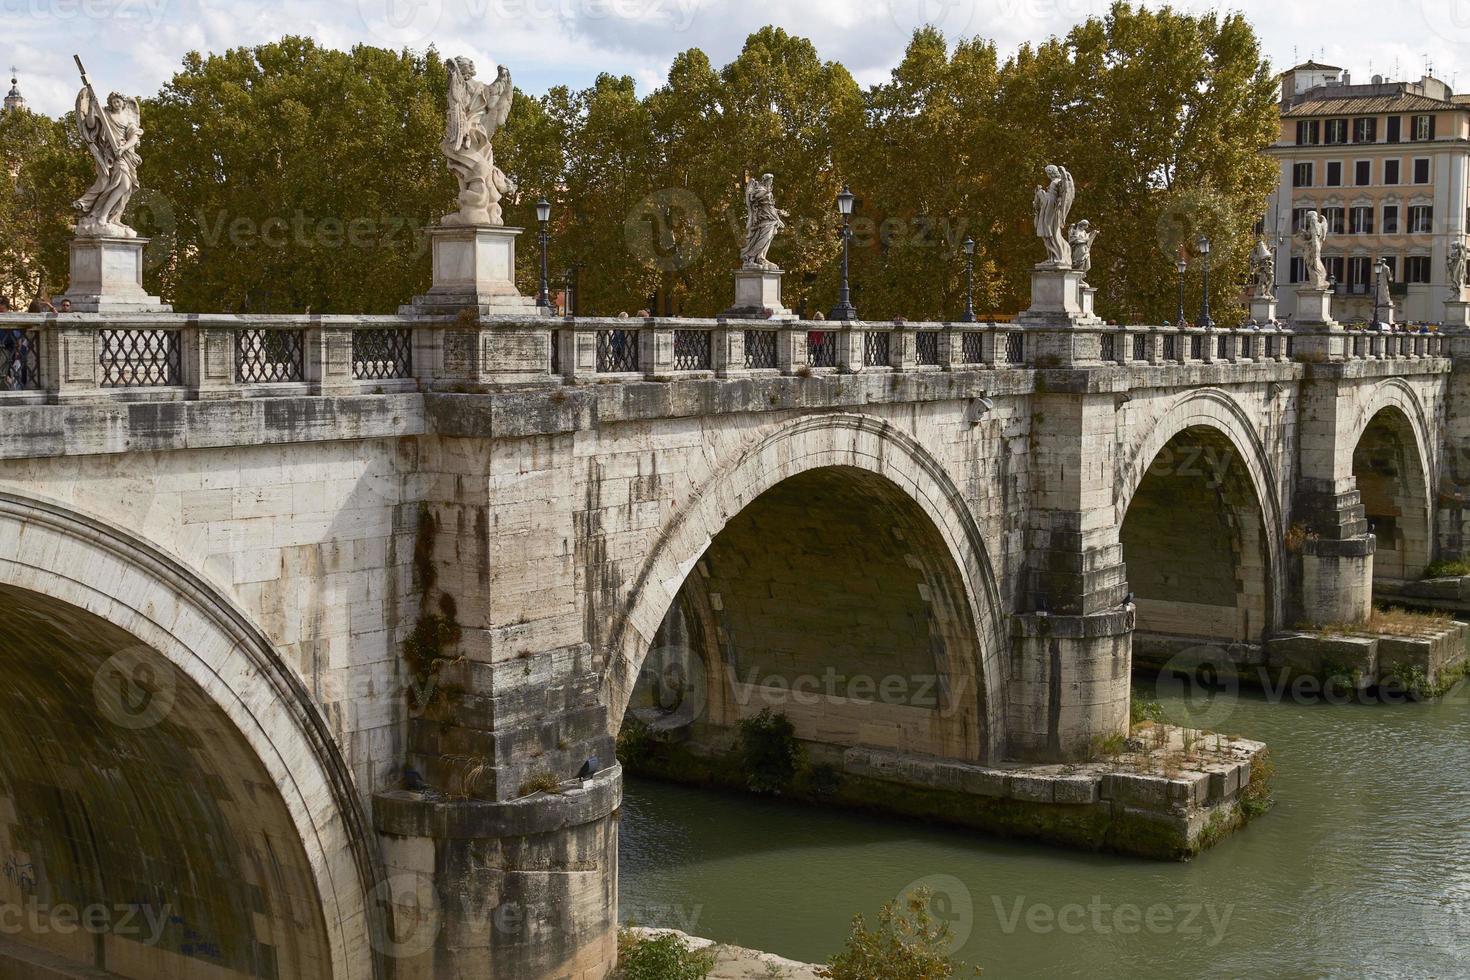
(111, 131)
(1050, 206)
(763, 220)
(476, 111)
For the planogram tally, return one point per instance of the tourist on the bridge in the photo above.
(65, 306)
(40, 305)
(5, 305)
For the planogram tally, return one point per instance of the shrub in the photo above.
(634, 744)
(666, 957)
(908, 944)
(1447, 569)
(1255, 799)
(769, 750)
(1140, 711)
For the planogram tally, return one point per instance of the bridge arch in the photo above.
(830, 452)
(1394, 465)
(1203, 465)
(213, 701)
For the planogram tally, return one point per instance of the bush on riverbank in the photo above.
(907, 944)
(666, 957)
(770, 752)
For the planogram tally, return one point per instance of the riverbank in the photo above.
(737, 962)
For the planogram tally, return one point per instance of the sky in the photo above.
(134, 46)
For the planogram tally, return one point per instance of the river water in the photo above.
(1362, 868)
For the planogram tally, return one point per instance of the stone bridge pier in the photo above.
(322, 630)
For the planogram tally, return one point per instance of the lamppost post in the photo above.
(969, 315)
(844, 309)
(1183, 266)
(543, 214)
(1204, 314)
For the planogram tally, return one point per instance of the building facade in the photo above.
(1385, 163)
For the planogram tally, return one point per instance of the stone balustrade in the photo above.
(163, 357)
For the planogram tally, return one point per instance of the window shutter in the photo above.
(1432, 121)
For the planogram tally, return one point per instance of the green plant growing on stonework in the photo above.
(908, 943)
(666, 957)
(770, 752)
(634, 744)
(1447, 569)
(1140, 711)
(1255, 798)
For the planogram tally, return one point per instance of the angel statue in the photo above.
(476, 111)
(111, 132)
(1080, 237)
(1051, 204)
(1313, 233)
(1263, 270)
(1455, 267)
(762, 221)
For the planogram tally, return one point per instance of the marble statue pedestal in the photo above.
(1386, 315)
(1056, 291)
(1263, 309)
(757, 295)
(1313, 306)
(475, 270)
(1457, 315)
(107, 277)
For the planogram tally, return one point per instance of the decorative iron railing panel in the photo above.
(1169, 346)
(382, 355)
(760, 349)
(20, 360)
(1107, 351)
(1015, 349)
(617, 351)
(1140, 347)
(876, 347)
(926, 347)
(1196, 348)
(691, 350)
(130, 358)
(556, 352)
(821, 348)
(1222, 347)
(269, 356)
(972, 348)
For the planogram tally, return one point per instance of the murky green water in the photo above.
(1361, 869)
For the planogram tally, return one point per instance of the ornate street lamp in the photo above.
(543, 215)
(1183, 266)
(1204, 250)
(844, 309)
(969, 315)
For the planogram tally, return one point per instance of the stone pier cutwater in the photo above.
(370, 598)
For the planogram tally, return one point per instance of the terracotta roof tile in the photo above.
(1406, 102)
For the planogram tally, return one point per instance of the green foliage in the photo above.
(907, 944)
(1447, 568)
(634, 744)
(43, 168)
(1255, 798)
(666, 957)
(286, 176)
(769, 751)
(1140, 711)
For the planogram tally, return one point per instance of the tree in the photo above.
(289, 177)
(43, 168)
(908, 944)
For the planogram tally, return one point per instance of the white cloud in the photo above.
(135, 45)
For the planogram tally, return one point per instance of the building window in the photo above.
(1333, 265)
(1360, 220)
(1421, 219)
(1334, 173)
(1308, 132)
(1365, 130)
(1363, 173)
(1360, 272)
(1421, 171)
(1395, 125)
(1423, 128)
(1297, 216)
(1390, 219)
(1390, 171)
(1298, 268)
(1337, 131)
(1301, 175)
(1334, 219)
(1416, 269)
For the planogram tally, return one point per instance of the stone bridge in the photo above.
(313, 625)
